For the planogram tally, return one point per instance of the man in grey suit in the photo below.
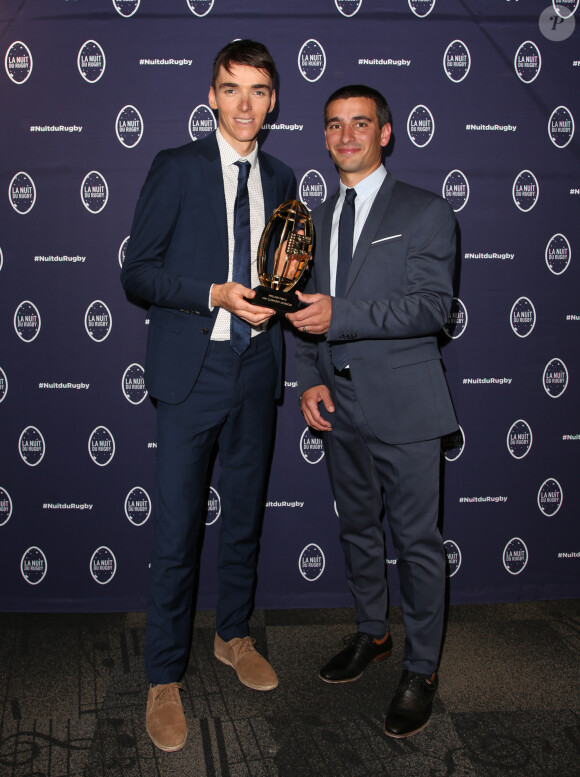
(372, 384)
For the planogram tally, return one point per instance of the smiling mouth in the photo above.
(244, 121)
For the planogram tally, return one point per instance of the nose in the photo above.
(245, 104)
(347, 135)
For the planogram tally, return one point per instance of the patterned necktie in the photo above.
(240, 330)
(344, 259)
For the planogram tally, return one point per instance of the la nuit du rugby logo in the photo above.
(200, 7)
(456, 190)
(420, 126)
(98, 321)
(558, 254)
(27, 321)
(555, 378)
(561, 126)
(5, 506)
(311, 562)
(33, 566)
(523, 317)
(138, 506)
(519, 439)
(201, 122)
(550, 497)
(18, 62)
(453, 555)
(94, 192)
(453, 445)
(515, 556)
(422, 8)
(214, 506)
(129, 126)
(3, 385)
(103, 565)
(126, 8)
(528, 62)
(456, 61)
(133, 384)
(101, 446)
(525, 190)
(123, 250)
(312, 189)
(456, 323)
(91, 61)
(565, 8)
(311, 447)
(22, 193)
(311, 60)
(348, 8)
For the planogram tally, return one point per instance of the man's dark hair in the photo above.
(244, 52)
(360, 90)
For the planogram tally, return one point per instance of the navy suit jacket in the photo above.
(397, 298)
(178, 248)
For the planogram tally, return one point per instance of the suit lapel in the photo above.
(374, 219)
(322, 256)
(269, 192)
(213, 180)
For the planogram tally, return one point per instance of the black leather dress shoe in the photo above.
(410, 708)
(348, 665)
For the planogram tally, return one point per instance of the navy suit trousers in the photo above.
(232, 404)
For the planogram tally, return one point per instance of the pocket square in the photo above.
(384, 239)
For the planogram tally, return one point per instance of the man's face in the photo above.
(243, 97)
(354, 138)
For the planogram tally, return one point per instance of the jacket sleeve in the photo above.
(144, 273)
(424, 306)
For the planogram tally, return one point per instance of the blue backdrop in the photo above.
(484, 95)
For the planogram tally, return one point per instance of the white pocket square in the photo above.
(383, 239)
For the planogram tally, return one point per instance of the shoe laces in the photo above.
(246, 646)
(167, 693)
(357, 636)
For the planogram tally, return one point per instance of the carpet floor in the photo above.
(73, 694)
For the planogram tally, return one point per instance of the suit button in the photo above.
(204, 330)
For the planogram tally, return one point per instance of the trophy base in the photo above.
(281, 301)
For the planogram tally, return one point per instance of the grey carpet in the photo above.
(73, 698)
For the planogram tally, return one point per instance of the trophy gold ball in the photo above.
(284, 254)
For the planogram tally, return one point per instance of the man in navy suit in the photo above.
(373, 385)
(214, 366)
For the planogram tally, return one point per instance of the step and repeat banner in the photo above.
(485, 95)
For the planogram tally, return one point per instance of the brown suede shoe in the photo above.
(165, 721)
(253, 670)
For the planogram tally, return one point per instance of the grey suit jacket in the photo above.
(397, 298)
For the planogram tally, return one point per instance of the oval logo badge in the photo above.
(91, 61)
(456, 61)
(138, 506)
(311, 60)
(456, 190)
(421, 126)
(5, 506)
(101, 446)
(528, 62)
(519, 439)
(201, 122)
(525, 191)
(555, 378)
(27, 321)
(550, 497)
(348, 8)
(558, 254)
(129, 126)
(561, 126)
(94, 192)
(31, 446)
(456, 323)
(311, 562)
(200, 7)
(3, 385)
(565, 8)
(422, 8)
(214, 506)
(98, 321)
(453, 555)
(312, 189)
(33, 566)
(453, 445)
(123, 250)
(103, 565)
(133, 384)
(22, 193)
(515, 556)
(311, 447)
(18, 62)
(126, 8)
(523, 317)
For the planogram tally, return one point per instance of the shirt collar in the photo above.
(230, 156)
(368, 186)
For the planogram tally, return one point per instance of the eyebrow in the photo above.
(354, 118)
(227, 84)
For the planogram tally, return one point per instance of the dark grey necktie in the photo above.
(240, 330)
(345, 241)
